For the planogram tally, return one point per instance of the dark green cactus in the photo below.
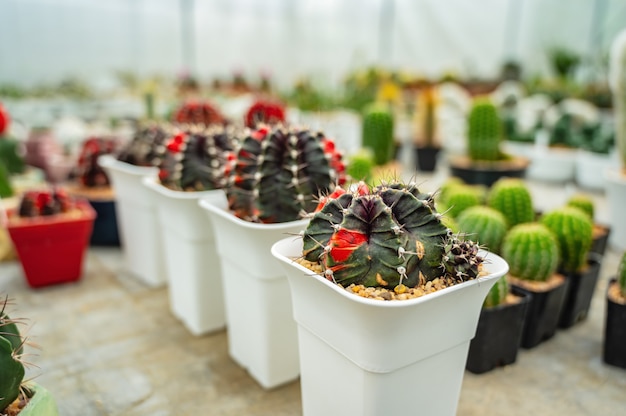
(512, 198)
(485, 225)
(11, 349)
(278, 174)
(532, 252)
(573, 230)
(460, 198)
(385, 237)
(484, 131)
(621, 275)
(197, 160)
(147, 147)
(378, 132)
(582, 202)
(497, 294)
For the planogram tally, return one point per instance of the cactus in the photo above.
(278, 174)
(11, 350)
(617, 81)
(12, 155)
(6, 190)
(44, 203)
(378, 132)
(460, 198)
(484, 131)
(532, 252)
(485, 225)
(195, 112)
(573, 230)
(387, 236)
(197, 160)
(5, 120)
(147, 147)
(265, 112)
(621, 275)
(360, 165)
(512, 198)
(88, 172)
(582, 202)
(497, 294)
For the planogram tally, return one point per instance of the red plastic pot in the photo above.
(51, 249)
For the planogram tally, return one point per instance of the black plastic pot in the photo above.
(601, 240)
(105, 232)
(426, 158)
(544, 311)
(486, 173)
(580, 292)
(614, 352)
(498, 335)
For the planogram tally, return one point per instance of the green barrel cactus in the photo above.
(460, 198)
(387, 236)
(11, 349)
(484, 131)
(197, 160)
(573, 230)
(497, 294)
(512, 198)
(584, 203)
(485, 225)
(360, 165)
(532, 252)
(621, 274)
(378, 132)
(279, 173)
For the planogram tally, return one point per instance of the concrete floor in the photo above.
(110, 346)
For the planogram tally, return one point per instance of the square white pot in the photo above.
(262, 335)
(193, 267)
(139, 229)
(368, 357)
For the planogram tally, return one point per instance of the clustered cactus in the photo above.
(11, 363)
(88, 171)
(279, 172)
(388, 236)
(265, 112)
(485, 225)
(511, 197)
(378, 132)
(198, 112)
(44, 202)
(147, 147)
(484, 131)
(197, 159)
(532, 252)
(573, 230)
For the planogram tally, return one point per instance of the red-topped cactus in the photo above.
(44, 202)
(88, 171)
(198, 112)
(5, 120)
(278, 173)
(147, 147)
(388, 236)
(265, 112)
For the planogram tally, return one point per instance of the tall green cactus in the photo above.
(582, 202)
(617, 81)
(11, 349)
(485, 225)
(532, 252)
(385, 237)
(497, 294)
(378, 132)
(484, 131)
(621, 274)
(573, 230)
(279, 173)
(512, 198)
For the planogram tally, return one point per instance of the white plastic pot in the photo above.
(552, 165)
(139, 228)
(193, 266)
(368, 357)
(616, 199)
(589, 168)
(262, 335)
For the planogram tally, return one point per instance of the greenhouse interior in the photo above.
(184, 182)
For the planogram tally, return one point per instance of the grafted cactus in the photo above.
(44, 202)
(279, 173)
(265, 112)
(485, 225)
(484, 131)
(88, 171)
(497, 294)
(584, 203)
(573, 230)
(621, 275)
(532, 252)
(386, 237)
(378, 132)
(198, 112)
(512, 198)
(197, 160)
(11, 349)
(147, 147)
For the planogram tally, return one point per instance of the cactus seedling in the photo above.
(484, 131)
(202, 113)
(497, 294)
(512, 198)
(582, 202)
(278, 174)
(532, 252)
(573, 230)
(389, 236)
(265, 112)
(486, 225)
(378, 132)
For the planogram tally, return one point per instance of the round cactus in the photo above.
(512, 198)
(573, 230)
(378, 132)
(360, 165)
(279, 173)
(460, 198)
(11, 349)
(532, 252)
(265, 112)
(497, 294)
(484, 131)
(147, 147)
(44, 202)
(88, 171)
(582, 202)
(387, 236)
(485, 225)
(621, 275)
(195, 112)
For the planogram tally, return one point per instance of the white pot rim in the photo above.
(153, 183)
(110, 162)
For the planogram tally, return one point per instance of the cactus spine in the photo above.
(386, 237)
(582, 202)
(617, 80)
(511, 197)
(621, 275)
(378, 132)
(485, 225)
(532, 252)
(573, 230)
(278, 174)
(11, 349)
(484, 131)
(497, 294)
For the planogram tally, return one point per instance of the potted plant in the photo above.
(427, 140)
(573, 231)
(532, 253)
(278, 175)
(485, 162)
(194, 167)
(376, 266)
(18, 396)
(601, 232)
(50, 232)
(614, 342)
(134, 203)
